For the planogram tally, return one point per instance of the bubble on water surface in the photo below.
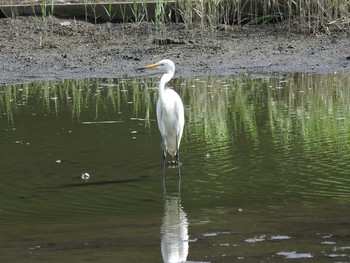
(85, 176)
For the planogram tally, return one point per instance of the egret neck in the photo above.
(163, 80)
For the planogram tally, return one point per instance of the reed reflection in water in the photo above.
(264, 156)
(308, 104)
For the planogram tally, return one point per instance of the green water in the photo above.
(265, 175)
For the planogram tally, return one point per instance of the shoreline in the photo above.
(35, 50)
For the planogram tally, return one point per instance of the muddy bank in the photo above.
(35, 49)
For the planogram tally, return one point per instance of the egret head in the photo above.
(165, 65)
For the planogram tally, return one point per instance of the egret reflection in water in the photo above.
(174, 229)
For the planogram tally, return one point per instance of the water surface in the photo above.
(265, 175)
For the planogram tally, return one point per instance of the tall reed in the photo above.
(312, 15)
(302, 15)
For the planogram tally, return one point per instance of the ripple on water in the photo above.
(294, 254)
(261, 238)
(336, 255)
(280, 237)
(255, 239)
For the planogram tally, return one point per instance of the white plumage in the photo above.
(170, 111)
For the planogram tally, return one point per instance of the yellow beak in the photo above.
(151, 66)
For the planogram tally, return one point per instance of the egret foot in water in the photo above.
(173, 163)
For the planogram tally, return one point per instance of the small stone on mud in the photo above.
(65, 23)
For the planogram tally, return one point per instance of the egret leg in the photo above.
(164, 159)
(178, 158)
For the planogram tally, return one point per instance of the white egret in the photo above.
(170, 112)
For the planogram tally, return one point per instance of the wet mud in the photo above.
(37, 48)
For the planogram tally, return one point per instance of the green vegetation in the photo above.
(206, 17)
(302, 15)
(314, 15)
